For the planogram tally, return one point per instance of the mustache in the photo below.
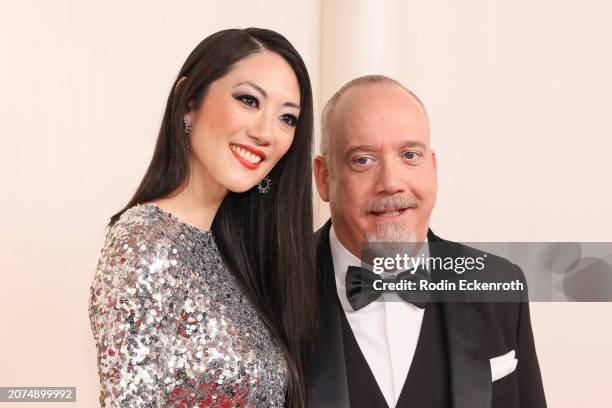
(394, 202)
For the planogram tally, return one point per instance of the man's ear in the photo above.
(434, 161)
(321, 175)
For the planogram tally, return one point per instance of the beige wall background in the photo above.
(518, 94)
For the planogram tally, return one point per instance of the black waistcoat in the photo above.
(426, 385)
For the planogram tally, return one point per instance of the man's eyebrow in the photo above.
(413, 143)
(359, 148)
(370, 148)
(265, 94)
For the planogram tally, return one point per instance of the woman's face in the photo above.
(245, 123)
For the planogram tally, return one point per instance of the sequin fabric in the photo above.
(171, 324)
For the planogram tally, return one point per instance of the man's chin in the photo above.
(389, 231)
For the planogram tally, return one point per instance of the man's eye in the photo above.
(411, 155)
(248, 100)
(362, 160)
(290, 120)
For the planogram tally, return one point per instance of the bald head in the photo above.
(377, 85)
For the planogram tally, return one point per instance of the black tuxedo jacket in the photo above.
(475, 332)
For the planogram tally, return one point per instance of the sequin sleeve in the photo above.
(127, 316)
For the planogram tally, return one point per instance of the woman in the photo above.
(204, 293)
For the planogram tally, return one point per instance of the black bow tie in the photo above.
(360, 290)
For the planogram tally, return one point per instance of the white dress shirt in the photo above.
(386, 332)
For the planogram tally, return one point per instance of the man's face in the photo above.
(379, 175)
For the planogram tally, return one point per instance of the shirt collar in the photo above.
(342, 259)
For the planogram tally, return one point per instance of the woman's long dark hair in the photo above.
(266, 240)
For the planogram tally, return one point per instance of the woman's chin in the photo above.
(240, 187)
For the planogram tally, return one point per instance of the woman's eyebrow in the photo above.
(265, 94)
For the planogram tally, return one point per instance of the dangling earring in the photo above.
(265, 185)
(187, 127)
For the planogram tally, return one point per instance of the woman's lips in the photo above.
(248, 156)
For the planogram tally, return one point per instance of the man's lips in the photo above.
(248, 156)
(389, 212)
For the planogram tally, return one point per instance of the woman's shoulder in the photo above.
(142, 243)
(139, 219)
(150, 222)
(145, 227)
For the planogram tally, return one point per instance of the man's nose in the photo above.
(261, 129)
(390, 177)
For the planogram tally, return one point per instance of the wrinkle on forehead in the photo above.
(375, 109)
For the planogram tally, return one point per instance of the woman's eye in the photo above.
(248, 100)
(290, 120)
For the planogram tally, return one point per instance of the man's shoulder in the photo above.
(504, 314)
(321, 237)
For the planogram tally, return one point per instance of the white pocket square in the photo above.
(503, 365)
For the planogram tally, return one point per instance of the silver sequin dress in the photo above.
(171, 324)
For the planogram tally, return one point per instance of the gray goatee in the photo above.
(392, 231)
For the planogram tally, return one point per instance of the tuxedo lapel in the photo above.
(466, 342)
(327, 384)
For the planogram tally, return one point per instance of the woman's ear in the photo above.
(188, 117)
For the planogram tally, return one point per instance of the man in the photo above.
(378, 173)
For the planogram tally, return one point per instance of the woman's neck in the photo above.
(195, 202)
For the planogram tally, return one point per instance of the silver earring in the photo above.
(265, 185)
(187, 127)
